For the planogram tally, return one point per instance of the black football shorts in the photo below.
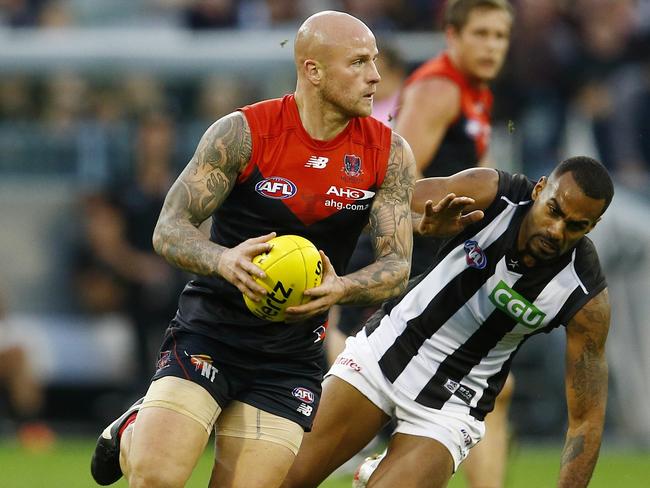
(284, 386)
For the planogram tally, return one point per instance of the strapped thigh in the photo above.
(184, 397)
(245, 421)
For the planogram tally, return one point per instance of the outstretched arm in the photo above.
(479, 184)
(586, 391)
(443, 207)
(224, 150)
(446, 218)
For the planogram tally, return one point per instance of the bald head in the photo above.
(321, 33)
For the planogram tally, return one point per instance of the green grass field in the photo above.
(66, 466)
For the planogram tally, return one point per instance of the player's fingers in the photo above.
(252, 269)
(471, 218)
(255, 293)
(301, 312)
(253, 250)
(459, 203)
(263, 238)
(444, 203)
(428, 208)
(317, 291)
(328, 269)
(246, 284)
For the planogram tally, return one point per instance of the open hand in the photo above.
(446, 218)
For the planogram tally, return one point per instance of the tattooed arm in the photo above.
(391, 233)
(224, 150)
(586, 391)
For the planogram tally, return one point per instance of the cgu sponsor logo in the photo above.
(350, 193)
(304, 395)
(276, 187)
(513, 304)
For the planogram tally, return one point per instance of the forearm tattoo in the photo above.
(391, 230)
(586, 391)
(222, 153)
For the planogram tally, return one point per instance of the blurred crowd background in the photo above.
(103, 102)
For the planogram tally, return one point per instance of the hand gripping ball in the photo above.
(292, 266)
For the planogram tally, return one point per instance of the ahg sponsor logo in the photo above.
(350, 193)
(276, 187)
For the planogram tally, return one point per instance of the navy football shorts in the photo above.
(284, 386)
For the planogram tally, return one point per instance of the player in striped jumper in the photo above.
(436, 357)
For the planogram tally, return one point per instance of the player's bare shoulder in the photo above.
(226, 144)
(437, 96)
(593, 319)
(222, 153)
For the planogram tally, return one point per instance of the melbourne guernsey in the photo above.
(293, 184)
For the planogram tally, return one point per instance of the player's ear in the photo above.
(451, 34)
(593, 225)
(539, 186)
(313, 71)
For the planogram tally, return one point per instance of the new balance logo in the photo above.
(304, 409)
(318, 162)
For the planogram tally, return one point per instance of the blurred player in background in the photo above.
(284, 166)
(435, 358)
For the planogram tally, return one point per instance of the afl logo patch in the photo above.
(303, 394)
(276, 187)
(475, 256)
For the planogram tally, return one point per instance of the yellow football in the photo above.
(292, 265)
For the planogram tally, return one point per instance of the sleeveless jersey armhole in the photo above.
(385, 161)
(252, 126)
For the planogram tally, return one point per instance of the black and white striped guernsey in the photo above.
(448, 341)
